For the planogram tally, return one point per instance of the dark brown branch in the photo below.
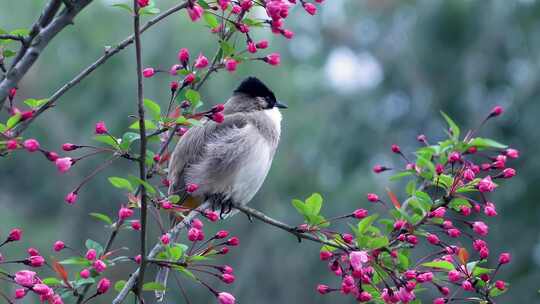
(41, 34)
(12, 37)
(87, 71)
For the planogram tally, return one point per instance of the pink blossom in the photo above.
(71, 198)
(512, 153)
(325, 255)
(454, 157)
(358, 259)
(148, 72)
(360, 213)
(227, 278)
(364, 297)
(11, 144)
(500, 285)
(35, 261)
(263, 44)
(310, 8)
(509, 173)
(323, 289)
(486, 184)
(236, 9)
(405, 296)
(467, 285)
(101, 128)
(226, 298)
(273, 59)
(465, 210)
(191, 187)
(433, 239)
(125, 213)
(469, 174)
(31, 145)
(99, 266)
(63, 164)
(234, 241)
(439, 301)
(183, 56)
(136, 225)
(103, 285)
(15, 235)
(138, 259)
(58, 246)
(20, 293)
(453, 232)
(246, 4)
(223, 4)
(372, 197)
(230, 64)
(25, 278)
(454, 276)
(504, 258)
(201, 62)
(190, 78)
(439, 212)
(193, 234)
(166, 204)
(211, 215)
(91, 254)
(489, 209)
(496, 111)
(42, 289)
(165, 239)
(480, 228)
(85, 273)
(251, 47)
(143, 3)
(399, 224)
(424, 277)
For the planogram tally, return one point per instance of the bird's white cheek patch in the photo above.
(275, 116)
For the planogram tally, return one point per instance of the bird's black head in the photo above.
(256, 89)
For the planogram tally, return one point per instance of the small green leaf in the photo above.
(153, 108)
(119, 285)
(148, 125)
(227, 49)
(482, 143)
(76, 261)
(106, 139)
(314, 203)
(211, 20)
(13, 120)
(453, 126)
(193, 96)
(456, 203)
(127, 139)
(181, 120)
(101, 217)
(35, 103)
(145, 184)
(149, 11)
(400, 175)
(185, 272)
(299, 205)
(195, 122)
(52, 281)
(366, 222)
(121, 183)
(20, 32)
(439, 264)
(177, 251)
(378, 242)
(9, 53)
(203, 4)
(153, 286)
(123, 6)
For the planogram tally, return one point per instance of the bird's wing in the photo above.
(191, 155)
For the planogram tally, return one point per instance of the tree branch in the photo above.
(41, 34)
(88, 70)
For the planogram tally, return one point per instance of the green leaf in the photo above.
(211, 20)
(106, 139)
(195, 122)
(227, 49)
(35, 103)
(119, 285)
(121, 183)
(482, 143)
(52, 281)
(456, 203)
(453, 126)
(149, 11)
(127, 139)
(20, 32)
(153, 108)
(193, 96)
(76, 261)
(314, 203)
(13, 120)
(185, 272)
(148, 125)
(2, 127)
(145, 184)
(124, 6)
(177, 251)
(378, 242)
(181, 120)
(83, 282)
(252, 22)
(101, 217)
(91, 244)
(153, 286)
(9, 53)
(299, 205)
(427, 164)
(400, 175)
(366, 222)
(439, 264)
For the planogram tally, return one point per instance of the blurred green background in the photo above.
(358, 77)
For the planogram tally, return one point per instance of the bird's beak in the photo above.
(280, 105)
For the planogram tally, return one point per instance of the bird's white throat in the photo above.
(275, 117)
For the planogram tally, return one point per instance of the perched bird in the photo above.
(228, 161)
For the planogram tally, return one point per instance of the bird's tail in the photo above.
(163, 272)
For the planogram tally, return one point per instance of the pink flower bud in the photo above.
(467, 286)
(218, 117)
(174, 85)
(251, 47)
(183, 56)
(372, 197)
(500, 285)
(287, 34)
(165, 239)
(58, 246)
(11, 144)
(230, 64)
(246, 4)
(242, 28)
(218, 108)
(360, 213)
(227, 269)
(101, 128)
(138, 259)
(310, 8)
(439, 212)
(484, 253)
(63, 164)
(480, 228)
(91, 254)
(421, 138)
(201, 62)
(166, 204)
(454, 276)
(193, 234)
(236, 9)
(12, 93)
(227, 278)
(195, 12)
(399, 224)
(512, 153)
(191, 187)
(454, 157)
(273, 59)
(263, 44)
(348, 238)
(224, 250)
(489, 209)
(226, 298)
(32, 251)
(364, 296)
(69, 147)
(433, 239)
(211, 215)
(323, 289)
(35, 261)
(197, 224)
(453, 232)
(486, 184)
(496, 111)
(221, 234)
(223, 4)
(439, 301)
(20, 293)
(148, 72)
(51, 156)
(85, 273)
(136, 225)
(472, 150)
(190, 78)
(234, 241)
(103, 285)
(125, 213)
(412, 239)
(325, 255)
(14, 235)
(99, 266)
(31, 145)
(508, 173)
(465, 210)
(143, 3)
(357, 259)
(424, 277)
(27, 115)
(504, 258)
(396, 149)
(42, 289)
(379, 169)
(439, 168)
(469, 175)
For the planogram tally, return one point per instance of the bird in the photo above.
(228, 161)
